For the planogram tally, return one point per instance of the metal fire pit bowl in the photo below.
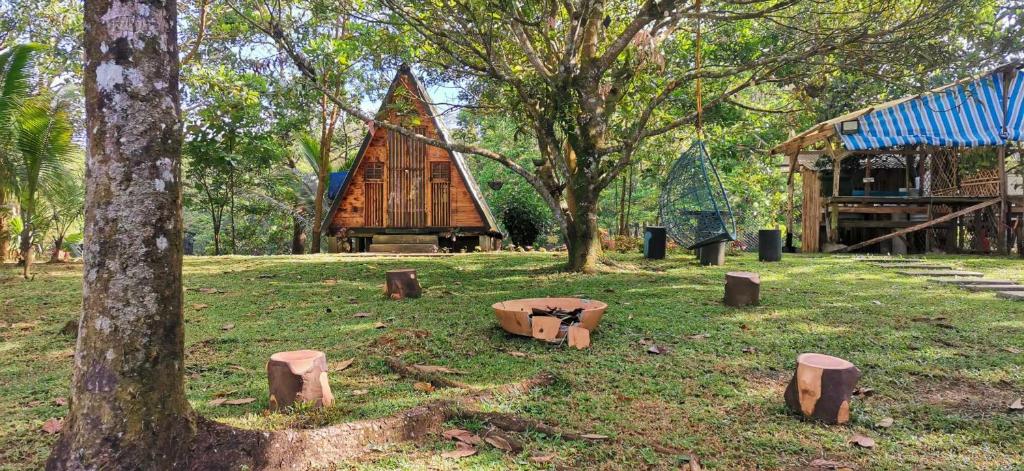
(514, 315)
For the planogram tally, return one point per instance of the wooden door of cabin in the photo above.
(440, 194)
(406, 181)
(373, 194)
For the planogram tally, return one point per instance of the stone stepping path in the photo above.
(947, 275)
(1011, 295)
(940, 273)
(916, 266)
(971, 281)
(1009, 287)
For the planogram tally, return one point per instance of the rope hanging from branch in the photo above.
(693, 205)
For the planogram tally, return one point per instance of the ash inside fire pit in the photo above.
(568, 317)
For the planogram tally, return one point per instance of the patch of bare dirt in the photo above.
(966, 397)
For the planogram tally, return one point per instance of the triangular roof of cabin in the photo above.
(442, 131)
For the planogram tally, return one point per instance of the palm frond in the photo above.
(308, 147)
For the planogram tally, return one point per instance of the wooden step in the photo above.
(405, 239)
(940, 273)
(403, 248)
(971, 282)
(1014, 295)
(993, 287)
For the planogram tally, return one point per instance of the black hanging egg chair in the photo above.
(693, 206)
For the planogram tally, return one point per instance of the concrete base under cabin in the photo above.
(413, 243)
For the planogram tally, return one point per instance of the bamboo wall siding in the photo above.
(407, 193)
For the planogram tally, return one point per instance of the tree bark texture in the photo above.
(298, 237)
(128, 408)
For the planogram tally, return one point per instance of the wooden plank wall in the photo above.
(352, 211)
(811, 211)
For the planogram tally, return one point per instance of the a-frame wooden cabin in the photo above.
(402, 195)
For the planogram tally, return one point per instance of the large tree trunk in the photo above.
(318, 211)
(58, 242)
(298, 236)
(581, 236)
(128, 408)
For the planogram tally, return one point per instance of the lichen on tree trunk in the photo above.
(128, 407)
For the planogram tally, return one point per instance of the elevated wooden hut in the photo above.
(936, 171)
(402, 195)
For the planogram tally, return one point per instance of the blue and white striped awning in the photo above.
(1015, 109)
(971, 113)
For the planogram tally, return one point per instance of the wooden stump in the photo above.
(299, 376)
(403, 284)
(821, 388)
(742, 288)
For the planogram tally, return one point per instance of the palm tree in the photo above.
(43, 140)
(66, 206)
(15, 83)
(318, 157)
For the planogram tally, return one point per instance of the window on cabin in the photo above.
(374, 171)
(440, 172)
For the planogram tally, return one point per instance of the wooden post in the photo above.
(789, 202)
(298, 376)
(1004, 204)
(403, 284)
(837, 163)
(821, 388)
(867, 177)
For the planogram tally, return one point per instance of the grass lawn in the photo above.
(946, 382)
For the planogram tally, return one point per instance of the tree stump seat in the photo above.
(821, 388)
(742, 288)
(403, 284)
(299, 376)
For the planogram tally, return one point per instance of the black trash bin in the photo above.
(712, 254)
(769, 245)
(654, 242)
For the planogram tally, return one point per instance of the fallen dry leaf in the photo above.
(330, 282)
(52, 426)
(239, 402)
(341, 365)
(359, 392)
(694, 464)
(217, 402)
(227, 327)
(379, 325)
(423, 387)
(698, 336)
(656, 350)
(866, 392)
(361, 315)
(237, 368)
(499, 442)
(200, 306)
(545, 458)
(861, 441)
(1012, 350)
(464, 436)
(594, 436)
(461, 450)
(749, 350)
(60, 401)
(885, 423)
(517, 354)
(209, 290)
(435, 369)
(1017, 405)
